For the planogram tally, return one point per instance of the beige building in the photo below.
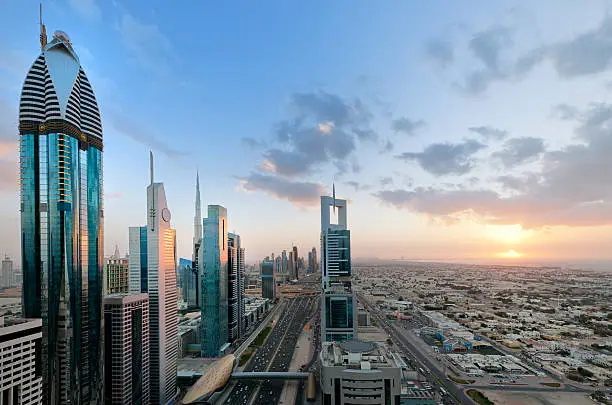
(116, 275)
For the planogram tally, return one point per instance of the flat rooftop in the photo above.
(357, 354)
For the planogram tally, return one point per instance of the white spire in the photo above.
(151, 164)
(197, 218)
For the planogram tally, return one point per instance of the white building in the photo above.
(153, 270)
(126, 350)
(356, 372)
(21, 377)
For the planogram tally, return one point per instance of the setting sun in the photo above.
(511, 254)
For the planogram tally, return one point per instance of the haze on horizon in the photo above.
(473, 131)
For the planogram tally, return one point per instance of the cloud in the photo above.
(130, 129)
(357, 186)
(406, 125)
(587, 53)
(565, 112)
(88, 9)
(572, 188)
(386, 181)
(113, 195)
(441, 52)
(323, 129)
(147, 44)
(388, 147)
(252, 143)
(446, 158)
(304, 194)
(517, 151)
(489, 132)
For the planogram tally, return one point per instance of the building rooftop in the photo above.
(357, 354)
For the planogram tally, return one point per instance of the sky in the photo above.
(471, 130)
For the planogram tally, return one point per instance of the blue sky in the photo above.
(457, 130)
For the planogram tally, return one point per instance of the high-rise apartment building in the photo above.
(268, 282)
(338, 313)
(197, 243)
(153, 270)
(126, 352)
(315, 261)
(296, 264)
(116, 274)
(235, 287)
(187, 282)
(213, 282)
(60, 136)
(21, 377)
(7, 277)
(290, 266)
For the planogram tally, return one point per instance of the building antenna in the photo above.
(334, 195)
(43, 31)
(151, 164)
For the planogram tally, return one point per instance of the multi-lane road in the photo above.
(274, 355)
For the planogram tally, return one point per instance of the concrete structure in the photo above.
(268, 283)
(213, 282)
(356, 372)
(338, 313)
(116, 275)
(255, 309)
(21, 377)
(363, 318)
(61, 205)
(126, 352)
(153, 271)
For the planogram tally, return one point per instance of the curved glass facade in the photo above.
(62, 225)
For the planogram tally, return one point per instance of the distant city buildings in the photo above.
(61, 205)
(187, 281)
(338, 312)
(213, 282)
(116, 274)
(153, 271)
(268, 283)
(21, 377)
(126, 352)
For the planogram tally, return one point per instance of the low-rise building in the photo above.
(357, 372)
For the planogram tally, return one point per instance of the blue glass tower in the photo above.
(61, 221)
(213, 282)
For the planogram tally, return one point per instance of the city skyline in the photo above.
(496, 161)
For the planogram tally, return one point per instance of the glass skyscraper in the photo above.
(62, 220)
(213, 282)
(235, 287)
(338, 315)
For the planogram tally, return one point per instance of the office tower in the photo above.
(232, 287)
(21, 377)
(7, 273)
(241, 286)
(188, 282)
(296, 263)
(153, 271)
(116, 274)
(291, 266)
(61, 221)
(197, 242)
(310, 266)
(278, 267)
(315, 262)
(284, 266)
(268, 282)
(213, 282)
(338, 314)
(126, 351)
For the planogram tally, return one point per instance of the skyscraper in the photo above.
(213, 282)
(61, 221)
(291, 266)
(268, 283)
(310, 264)
(338, 314)
(235, 287)
(315, 262)
(296, 264)
(116, 274)
(126, 353)
(7, 276)
(188, 282)
(153, 270)
(197, 243)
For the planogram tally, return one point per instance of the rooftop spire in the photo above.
(151, 164)
(43, 31)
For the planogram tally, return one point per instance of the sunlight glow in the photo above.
(511, 254)
(508, 234)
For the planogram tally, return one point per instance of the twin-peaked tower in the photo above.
(338, 314)
(153, 271)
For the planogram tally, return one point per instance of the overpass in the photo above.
(270, 375)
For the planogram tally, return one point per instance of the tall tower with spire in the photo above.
(62, 239)
(197, 241)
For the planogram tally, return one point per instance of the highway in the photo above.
(272, 355)
(409, 349)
